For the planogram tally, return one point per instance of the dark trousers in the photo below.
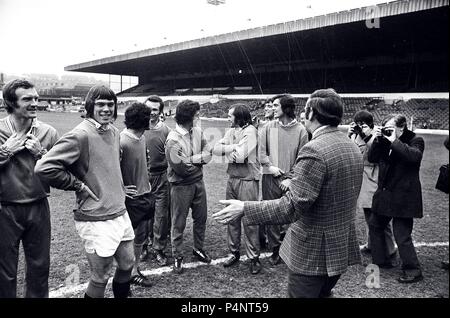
(29, 223)
(302, 286)
(271, 191)
(184, 197)
(160, 224)
(402, 228)
(244, 190)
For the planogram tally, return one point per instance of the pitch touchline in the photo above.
(70, 290)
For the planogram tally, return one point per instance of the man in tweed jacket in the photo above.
(321, 242)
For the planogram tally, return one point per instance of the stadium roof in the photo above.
(131, 63)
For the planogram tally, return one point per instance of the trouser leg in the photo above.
(199, 215)
(160, 190)
(11, 231)
(36, 245)
(271, 191)
(181, 197)
(234, 227)
(248, 191)
(377, 226)
(388, 234)
(302, 286)
(402, 231)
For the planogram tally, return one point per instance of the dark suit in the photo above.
(321, 204)
(399, 195)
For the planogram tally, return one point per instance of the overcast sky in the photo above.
(43, 36)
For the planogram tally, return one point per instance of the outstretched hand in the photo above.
(234, 210)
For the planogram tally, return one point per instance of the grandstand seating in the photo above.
(426, 113)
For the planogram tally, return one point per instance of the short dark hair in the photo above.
(242, 115)
(156, 99)
(327, 106)
(9, 92)
(363, 116)
(137, 116)
(288, 105)
(186, 111)
(399, 120)
(99, 92)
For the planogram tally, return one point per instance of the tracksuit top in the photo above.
(155, 138)
(186, 152)
(18, 183)
(92, 155)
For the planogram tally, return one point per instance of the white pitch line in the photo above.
(70, 290)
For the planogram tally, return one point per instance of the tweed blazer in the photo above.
(321, 206)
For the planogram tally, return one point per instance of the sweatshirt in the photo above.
(133, 162)
(90, 154)
(280, 145)
(240, 148)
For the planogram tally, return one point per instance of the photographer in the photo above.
(398, 151)
(361, 133)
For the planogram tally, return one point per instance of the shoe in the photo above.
(444, 265)
(201, 256)
(387, 265)
(255, 266)
(144, 254)
(178, 265)
(161, 258)
(263, 244)
(140, 280)
(365, 250)
(275, 257)
(234, 259)
(409, 279)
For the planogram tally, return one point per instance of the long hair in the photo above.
(99, 92)
(242, 115)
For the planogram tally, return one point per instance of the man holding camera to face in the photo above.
(398, 151)
(361, 132)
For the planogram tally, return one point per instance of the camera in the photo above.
(357, 129)
(386, 131)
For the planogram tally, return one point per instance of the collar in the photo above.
(181, 130)
(315, 132)
(100, 128)
(34, 125)
(157, 126)
(242, 128)
(407, 136)
(127, 132)
(289, 124)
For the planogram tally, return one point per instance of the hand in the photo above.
(130, 191)
(275, 171)
(377, 131)
(393, 135)
(234, 210)
(285, 185)
(14, 144)
(351, 129)
(33, 144)
(84, 194)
